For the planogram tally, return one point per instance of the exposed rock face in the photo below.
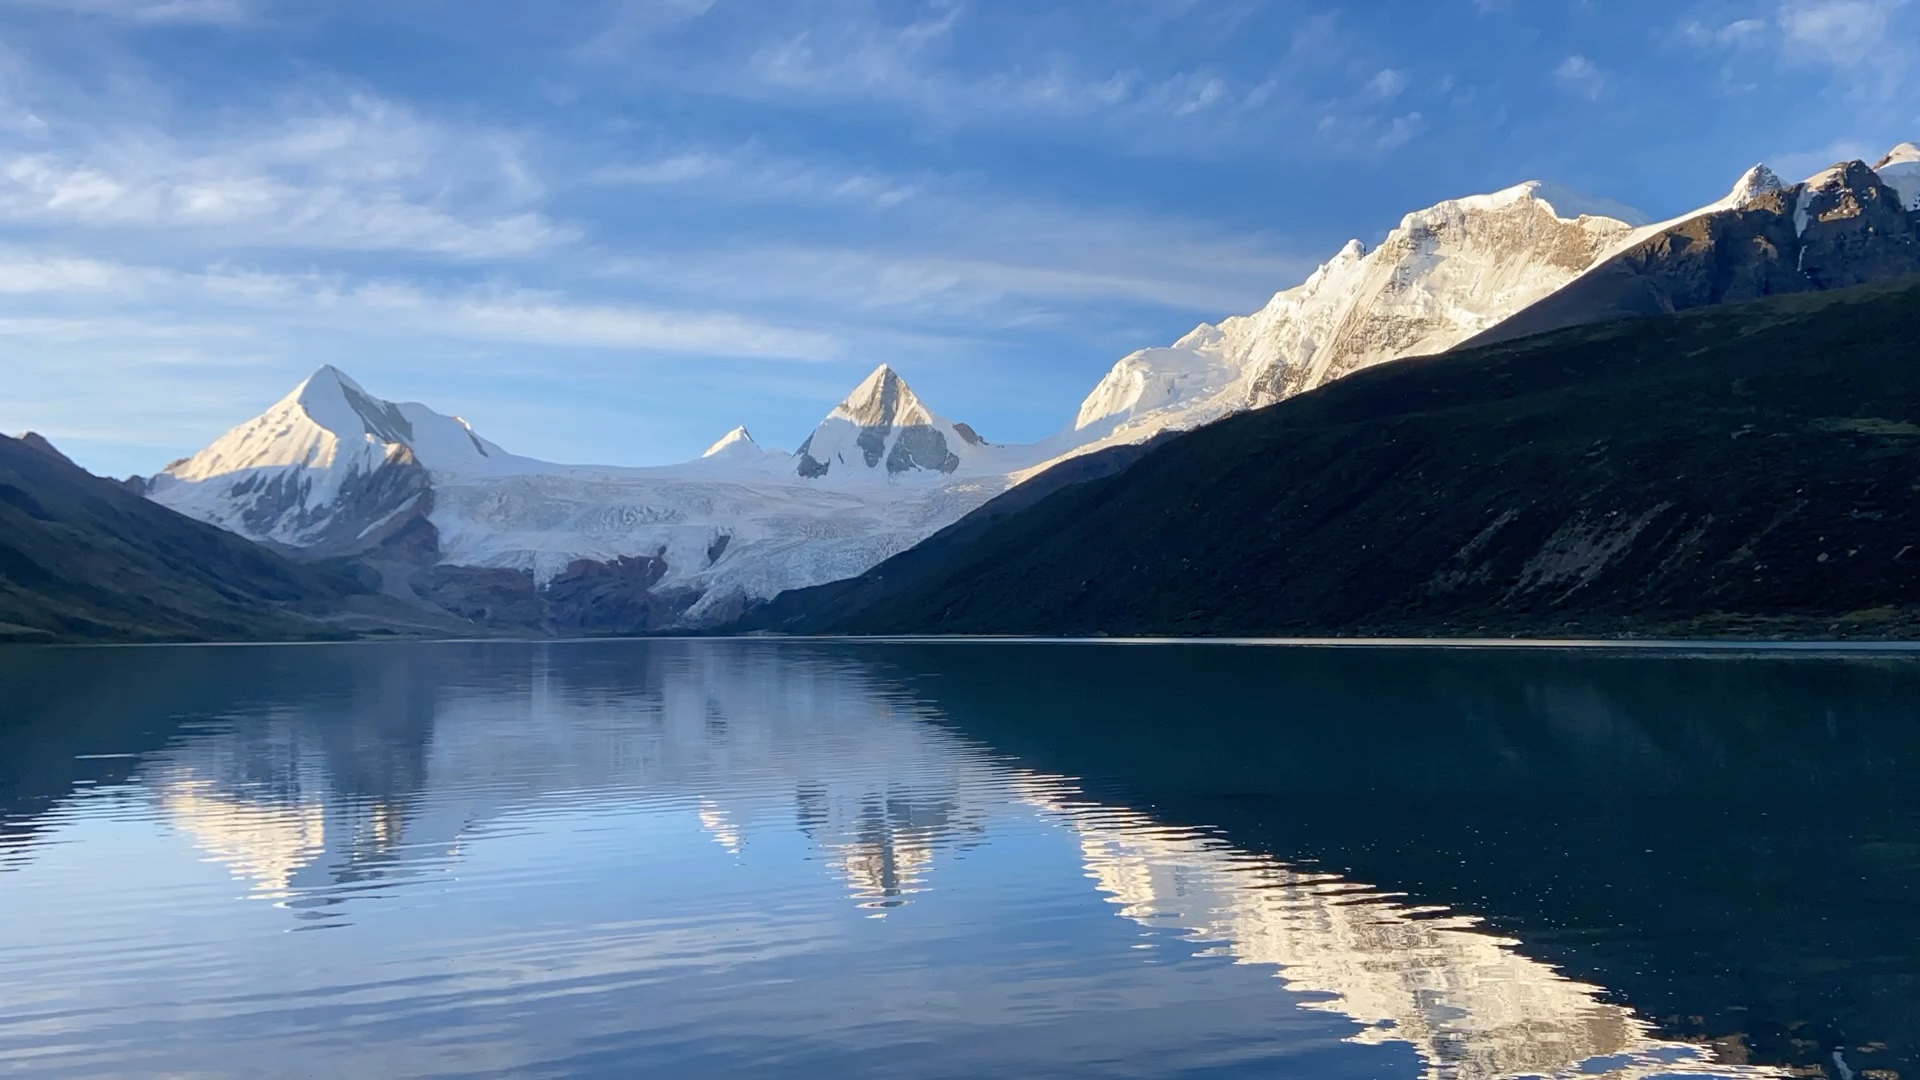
(280, 501)
(614, 597)
(1845, 227)
(1857, 231)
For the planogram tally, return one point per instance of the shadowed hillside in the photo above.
(1747, 470)
(85, 559)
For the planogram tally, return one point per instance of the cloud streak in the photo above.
(360, 175)
(218, 12)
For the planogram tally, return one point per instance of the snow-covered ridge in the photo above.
(1900, 170)
(1444, 274)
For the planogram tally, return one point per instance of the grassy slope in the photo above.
(1746, 470)
(83, 559)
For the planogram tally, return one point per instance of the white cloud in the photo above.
(1580, 76)
(1736, 34)
(1387, 84)
(1400, 131)
(360, 175)
(149, 11)
(248, 302)
(749, 174)
(1839, 32)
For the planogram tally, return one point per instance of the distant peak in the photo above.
(1570, 205)
(1752, 184)
(1562, 202)
(1904, 154)
(733, 442)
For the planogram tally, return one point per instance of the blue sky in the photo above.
(609, 230)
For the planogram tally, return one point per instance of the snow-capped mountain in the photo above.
(1845, 225)
(325, 465)
(1443, 275)
(511, 539)
(883, 430)
(738, 445)
(1900, 170)
(331, 468)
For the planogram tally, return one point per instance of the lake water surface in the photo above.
(957, 859)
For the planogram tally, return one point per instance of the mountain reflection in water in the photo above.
(793, 858)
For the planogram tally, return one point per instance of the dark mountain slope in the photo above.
(803, 609)
(1843, 228)
(84, 559)
(1749, 469)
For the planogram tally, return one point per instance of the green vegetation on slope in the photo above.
(84, 559)
(1749, 471)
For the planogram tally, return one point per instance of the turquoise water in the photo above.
(925, 860)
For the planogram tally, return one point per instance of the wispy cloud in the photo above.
(1581, 77)
(944, 249)
(252, 302)
(1839, 32)
(750, 173)
(973, 68)
(149, 11)
(362, 174)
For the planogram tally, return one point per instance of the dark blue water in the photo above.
(763, 858)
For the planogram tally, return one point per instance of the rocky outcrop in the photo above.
(614, 597)
(274, 502)
(1844, 227)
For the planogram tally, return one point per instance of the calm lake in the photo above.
(957, 859)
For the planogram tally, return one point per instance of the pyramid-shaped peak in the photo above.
(330, 398)
(883, 399)
(1754, 183)
(327, 377)
(737, 441)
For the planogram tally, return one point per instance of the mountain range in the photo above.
(1740, 470)
(449, 520)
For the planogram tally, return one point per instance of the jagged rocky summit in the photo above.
(1847, 225)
